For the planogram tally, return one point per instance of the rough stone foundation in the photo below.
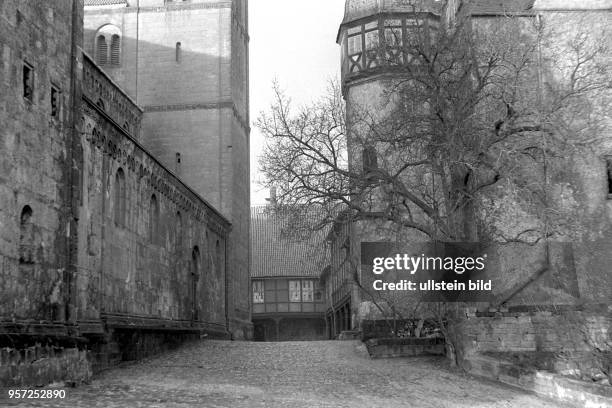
(549, 350)
(40, 365)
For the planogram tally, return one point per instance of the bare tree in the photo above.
(466, 144)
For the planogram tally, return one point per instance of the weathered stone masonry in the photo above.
(135, 269)
(105, 254)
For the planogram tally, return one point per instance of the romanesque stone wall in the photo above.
(34, 157)
(578, 202)
(41, 365)
(186, 64)
(149, 249)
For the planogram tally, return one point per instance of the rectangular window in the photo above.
(28, 82)
(307, 291)
(354, 44)
(258, 292)
(393, 37)
(318, 294)
(371, 38)
(294, 291)
(55, 102)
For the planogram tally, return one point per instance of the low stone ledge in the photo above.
(569, 391)
(405, 347)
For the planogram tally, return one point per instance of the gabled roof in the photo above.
(275, 254)
(498, 7)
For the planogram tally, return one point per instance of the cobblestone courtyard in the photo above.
(289, 374)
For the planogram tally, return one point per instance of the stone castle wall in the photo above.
(34, 150)
(135, 267)
(195, 101)
(81, 287)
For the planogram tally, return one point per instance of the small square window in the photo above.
(28, 82)
(55, 102)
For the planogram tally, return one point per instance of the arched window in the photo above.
(101, 50)
(195, 276)
(108, 46)
(26, 236)
(154, 220)
(179, 232)
(115, 50)
(120, 196)
(195, 261)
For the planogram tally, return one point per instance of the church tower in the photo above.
(185, 62)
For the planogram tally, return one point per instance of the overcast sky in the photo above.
(293, 41)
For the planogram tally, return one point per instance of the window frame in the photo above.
(120, 198)
(55, 91)
(297, 295)
(28, 69)
(259, 294)
(153, 219)
(608, 162)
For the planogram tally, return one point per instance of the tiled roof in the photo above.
(499, 7)
(274, 254)
(104, 2)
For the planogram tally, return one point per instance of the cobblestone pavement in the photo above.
(289, 374)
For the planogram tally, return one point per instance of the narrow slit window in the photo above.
(178, 163)
(154, 220)
(28, 82)
(178, 52)
(609, 173)
(120, 199)
(55, 102)
(26, 237)
(179, 232)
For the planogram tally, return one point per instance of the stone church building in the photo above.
(124, 188)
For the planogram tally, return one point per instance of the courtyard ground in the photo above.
(288, 374)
